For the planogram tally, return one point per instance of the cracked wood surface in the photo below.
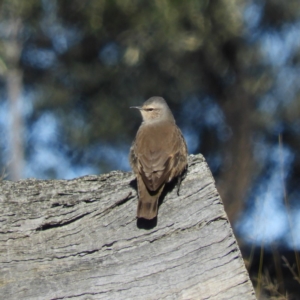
(63, 239)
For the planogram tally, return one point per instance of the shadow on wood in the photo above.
(63, 239)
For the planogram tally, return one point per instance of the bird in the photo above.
(157, 156)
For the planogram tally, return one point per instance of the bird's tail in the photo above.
(148, 201)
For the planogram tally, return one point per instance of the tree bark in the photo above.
(63, 239)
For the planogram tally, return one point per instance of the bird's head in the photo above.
(155, 109)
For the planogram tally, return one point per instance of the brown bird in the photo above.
(157, 155)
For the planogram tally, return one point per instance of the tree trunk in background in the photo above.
(238, 167)
(14, 79)
(237, 103)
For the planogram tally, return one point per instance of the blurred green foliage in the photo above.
(88, 61)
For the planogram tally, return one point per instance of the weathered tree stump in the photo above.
(63, 239)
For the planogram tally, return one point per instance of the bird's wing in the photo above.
(157, 149)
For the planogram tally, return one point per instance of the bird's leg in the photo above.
(180, 178)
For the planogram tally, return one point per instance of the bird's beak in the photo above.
(137, 107)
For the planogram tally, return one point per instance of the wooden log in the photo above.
(65, 239)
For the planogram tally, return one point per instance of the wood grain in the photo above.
(79, 239)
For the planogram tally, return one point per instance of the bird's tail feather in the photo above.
(148, 201)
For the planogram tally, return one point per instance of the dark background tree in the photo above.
(228, 69)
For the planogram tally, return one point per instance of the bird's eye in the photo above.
(149, 109)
